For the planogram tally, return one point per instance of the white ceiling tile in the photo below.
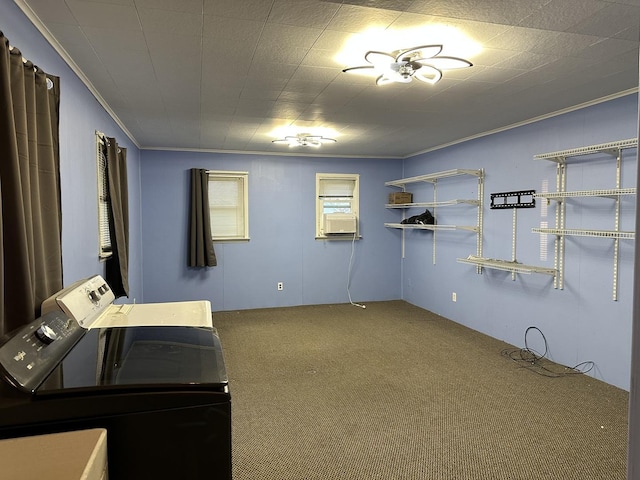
(236, 33)
(321, 58)
(98, 14)
(541, 41)
(304, 13)
(130, 68)
(560, 15)
(129, 3)
(53, 11)
(315, 74)
(174, 47)
(506, 12)
(105, 40)
(260, 94)
(74, 41)
(525, 61)
(615, 20)
(245, 9)
(287, 109)
(356, 19)
(297, 97)
(607, 48)
(170, 22)
(280, 72)
(334, 40)
(305, 86)
(251, 107)
(489, 57)
(285, 54)
(275, 36)
(190, 6)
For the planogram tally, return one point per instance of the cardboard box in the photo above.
(78, 455)
(400, 197)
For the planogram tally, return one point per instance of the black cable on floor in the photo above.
(538, 363)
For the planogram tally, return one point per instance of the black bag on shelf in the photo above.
(423, 219)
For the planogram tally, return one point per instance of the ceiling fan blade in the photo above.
(428, 74)
(445, 63)
(376, 58)
(384, 80)
(424, 51)
(362, 69)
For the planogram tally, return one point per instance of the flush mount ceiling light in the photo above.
(402, 66)
(304, 140)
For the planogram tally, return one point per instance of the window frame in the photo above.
(320, 199)
(242, 208)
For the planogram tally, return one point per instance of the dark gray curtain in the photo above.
(30, 212)
(117, 265)
(201, 252)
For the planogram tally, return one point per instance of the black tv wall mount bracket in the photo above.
(518, 199)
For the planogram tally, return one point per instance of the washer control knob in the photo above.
(46, 334)
(94, 296)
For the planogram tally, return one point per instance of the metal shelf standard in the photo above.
(614, 149)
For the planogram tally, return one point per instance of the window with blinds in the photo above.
(228, 205)
(104, 203)
(336, 193)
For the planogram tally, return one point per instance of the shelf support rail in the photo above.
(616, 241)
(480, 217)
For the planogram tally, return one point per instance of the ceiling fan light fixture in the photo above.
(428, 74)
(304, 140)
(424, 51)
(401, 66)
(445, 63)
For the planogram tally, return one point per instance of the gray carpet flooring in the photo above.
(395, 392)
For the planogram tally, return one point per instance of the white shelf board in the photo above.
(609, 193)
(591, 149)
(576, 232)
(506, 265)
(432, 177)
(446, 203)
(412, 226)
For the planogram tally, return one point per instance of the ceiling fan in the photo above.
(422, 63)
(304, 140)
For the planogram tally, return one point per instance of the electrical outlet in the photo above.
(280, 286)
(454, 297)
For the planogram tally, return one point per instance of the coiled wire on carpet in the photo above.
(536, 362)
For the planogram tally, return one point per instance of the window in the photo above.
(104, 203)
(336, 193)
(228, 205)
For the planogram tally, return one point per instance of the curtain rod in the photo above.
(226, 172)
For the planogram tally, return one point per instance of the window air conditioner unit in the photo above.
(335, 223)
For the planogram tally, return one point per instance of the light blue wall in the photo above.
(282, 248)
(580, 322)
(80, 116)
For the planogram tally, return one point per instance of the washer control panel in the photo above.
(84, 301)
(29, 354)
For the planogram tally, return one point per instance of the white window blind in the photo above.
(336, 187)
(228, 209)
(104, 203)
